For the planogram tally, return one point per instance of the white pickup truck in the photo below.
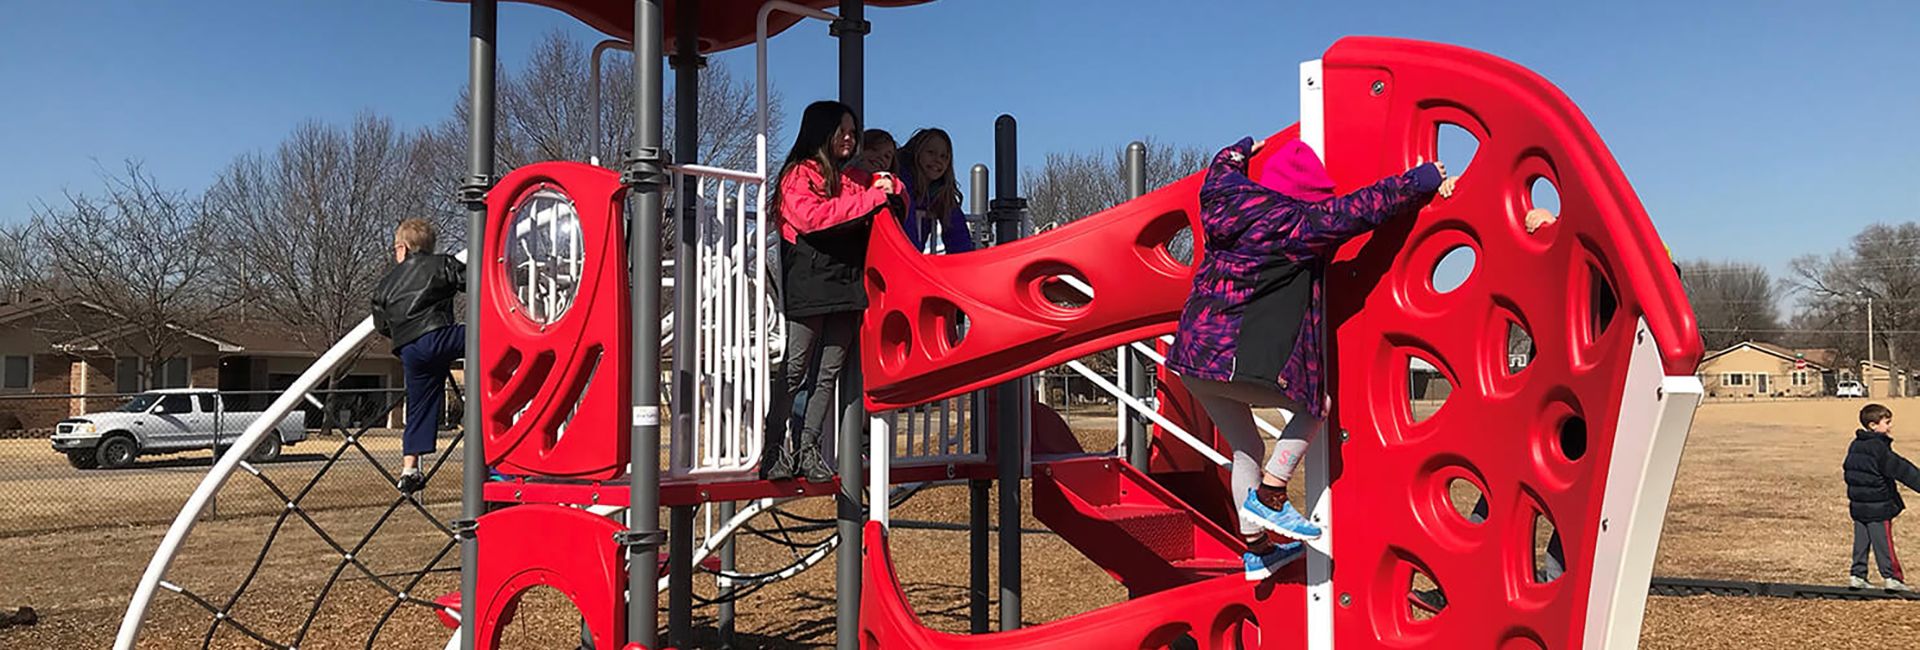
(166, 421)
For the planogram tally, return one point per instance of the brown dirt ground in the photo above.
(1751, 470)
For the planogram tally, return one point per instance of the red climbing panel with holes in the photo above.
(556, 376)
(1535, 441)
(567, 549)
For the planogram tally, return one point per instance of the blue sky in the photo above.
(1752, 130)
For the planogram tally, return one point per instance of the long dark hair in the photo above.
(814, 143)
(942, 194)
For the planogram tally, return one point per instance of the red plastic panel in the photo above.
(568, 549)
(1537, 441)
(574, 371)
(1213, 612)
(1023, 318)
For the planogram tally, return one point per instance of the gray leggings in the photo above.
(1230, 406)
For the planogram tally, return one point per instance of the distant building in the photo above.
(1756, 369)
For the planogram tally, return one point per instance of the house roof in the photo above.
(1782, 352)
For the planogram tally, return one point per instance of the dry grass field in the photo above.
(1758, 498)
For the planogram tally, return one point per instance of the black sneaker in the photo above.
(411, 482)
(778, 466)
(813, 466)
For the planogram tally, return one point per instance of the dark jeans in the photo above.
(816, 353)
(1878, 536)
(427, 360)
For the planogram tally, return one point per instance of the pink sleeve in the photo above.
(807, 211)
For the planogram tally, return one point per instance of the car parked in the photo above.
(1850, 389)
(167, 421)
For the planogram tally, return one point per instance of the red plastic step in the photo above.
(1141, 534)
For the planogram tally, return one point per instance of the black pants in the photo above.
(816, 354)
(1878, 536)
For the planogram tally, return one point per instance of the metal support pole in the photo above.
(979, 585)
(724, 619)
(645, 175)
(1139, 453)
(1009, 212)
(482, 28)
(686, 142)
(851, 29)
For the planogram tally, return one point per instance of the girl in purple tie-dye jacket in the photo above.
(1250, 334)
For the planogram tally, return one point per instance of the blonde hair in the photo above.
(417, 235)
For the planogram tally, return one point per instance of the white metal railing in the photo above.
(737, 324)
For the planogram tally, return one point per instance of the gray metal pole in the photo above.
(686, 143)
(724, 620)
(851, 29)
(979, 585)
(1138, 451)
(645, 175)
(482, 28)
(1009, 216)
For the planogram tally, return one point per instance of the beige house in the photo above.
(1755, 369)
(38, 358)
(1882, 380)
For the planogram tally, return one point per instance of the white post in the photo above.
(879, 470)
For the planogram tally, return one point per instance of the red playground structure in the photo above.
(1578, 439)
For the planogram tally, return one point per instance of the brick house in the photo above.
(1756, 369)
(38, 358)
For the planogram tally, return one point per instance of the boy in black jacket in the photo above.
(413, 306)
(1873, 500)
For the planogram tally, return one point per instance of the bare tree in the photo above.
(311, 224)
(1071, 185)
(133, 269)
(545, 113)
(1882, 263)
(20, 266)
(1733, 301)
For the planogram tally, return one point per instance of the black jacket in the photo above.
(416, 297)
(1871, 469)
(822, 270)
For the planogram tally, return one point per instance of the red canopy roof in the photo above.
(724, 24)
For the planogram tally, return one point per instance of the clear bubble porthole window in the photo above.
(545, 255)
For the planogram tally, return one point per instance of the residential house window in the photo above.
(1734, 379)
(1800, 378)
(174, 373)
(127, 377)
(16, 372)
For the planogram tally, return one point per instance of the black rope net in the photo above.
(326, 545)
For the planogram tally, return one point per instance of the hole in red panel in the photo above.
(1173, 636)
(1573, 438)
(1549, 459)
(1455, 147)
(1453, 269)
(1523, 640)
(1427, 389)
(1055, 290)
(579, 392)
(943, 326)
(876, 283)
(503, 370)
(1425, 599)
(1519, 348)
(1549, 555)
(896, 339)
(1236, 628)
(528, 622)
(1166, 243)
(1544, 195)
(1602, 305)
(1468, 501)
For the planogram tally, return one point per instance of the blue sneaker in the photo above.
(1259, 566)
(1286, 521)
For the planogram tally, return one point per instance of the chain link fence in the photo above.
(79, 461)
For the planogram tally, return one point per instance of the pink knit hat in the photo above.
(1294, 170)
